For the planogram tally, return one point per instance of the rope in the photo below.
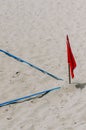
(27, 97)
(31, 65)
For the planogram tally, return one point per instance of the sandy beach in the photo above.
(36, 32)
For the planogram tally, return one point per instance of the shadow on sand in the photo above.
(80, 85)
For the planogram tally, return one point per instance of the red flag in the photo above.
(71, 59)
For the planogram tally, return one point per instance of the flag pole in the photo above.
(71, 60)
(69, 73)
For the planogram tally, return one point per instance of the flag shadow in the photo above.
(80, 85)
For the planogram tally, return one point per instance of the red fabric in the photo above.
(71, 59)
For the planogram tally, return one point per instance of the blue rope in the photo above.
(21, 60)
(28, 97)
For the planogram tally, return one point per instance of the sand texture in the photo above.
(35, 30)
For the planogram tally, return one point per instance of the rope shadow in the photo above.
(25, 100)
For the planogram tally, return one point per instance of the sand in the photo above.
(36, 32)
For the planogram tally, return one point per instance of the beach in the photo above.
(36, 32)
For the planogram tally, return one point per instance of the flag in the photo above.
(71, 59)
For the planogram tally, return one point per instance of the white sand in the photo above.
(35, 30)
